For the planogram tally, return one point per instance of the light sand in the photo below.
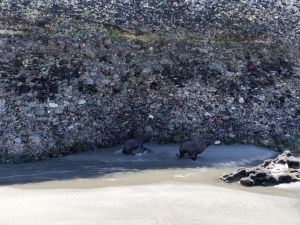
(160, 204)
(88, 196)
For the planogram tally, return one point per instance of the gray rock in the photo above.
(90, 53)
(81, 102)
(248, 182)
(58, 111)
(18, 140)
(88, 81)
(52, 105)
(40, 112)
(283, 169)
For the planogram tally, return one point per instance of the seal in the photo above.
(135, 145)
(193, 148)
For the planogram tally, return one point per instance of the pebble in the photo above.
(207, 114)
(18, 140)
(241, 100)
(59, 111)
(261, 98)
(217, 142)
(52, 105)
(90, 53)
(171, 126)
(81, 102)
(40, 112)
(88, 81)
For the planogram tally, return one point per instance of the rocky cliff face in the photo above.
(78, 74)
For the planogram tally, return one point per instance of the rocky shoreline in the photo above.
(82, 75)
(284, 169)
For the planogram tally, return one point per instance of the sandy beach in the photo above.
(165, 196)
(146, 204)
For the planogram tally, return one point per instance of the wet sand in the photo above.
(184, 192)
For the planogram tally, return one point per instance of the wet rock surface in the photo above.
(284, 169)
(79, 75)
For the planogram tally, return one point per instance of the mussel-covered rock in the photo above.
(283, 169)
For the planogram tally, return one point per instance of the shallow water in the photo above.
(153, 188)
(111, 160)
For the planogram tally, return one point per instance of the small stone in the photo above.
(241, 100)
(144, 110)
(72, 126)
(207, 114)
(58, 111)
(231, 135)
(107, 43)
(151, 117)
(2, 107)
(217, 142)
(40, 112)
(106, 81)
(171, 126)
(55, 123)
(261, 98)
(146, 71)
(88, 81)
(52, 105)
(18, 140)
(81, 102)
(90, 53)
(72, 109)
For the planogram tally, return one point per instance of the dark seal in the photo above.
(193, 148)
(135, 146)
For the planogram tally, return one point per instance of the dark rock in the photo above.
(240, 173)
(266, 163)
(284, 169)
(88, 81)
(248, 182)
(293, 162)
(40, 112)
(285, 178)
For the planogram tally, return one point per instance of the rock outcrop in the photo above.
(78, 74)
(284, 169)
